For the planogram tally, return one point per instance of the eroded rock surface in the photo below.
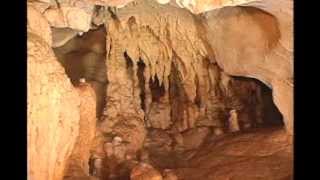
(262, 154)
(78, 163)
(53, 112)
(170, 88)
(267, 55)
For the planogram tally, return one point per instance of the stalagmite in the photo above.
(233, 121)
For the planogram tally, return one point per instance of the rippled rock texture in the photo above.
(158, 85)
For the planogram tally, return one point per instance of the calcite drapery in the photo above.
(181, 86)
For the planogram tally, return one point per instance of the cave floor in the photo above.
(257, 154)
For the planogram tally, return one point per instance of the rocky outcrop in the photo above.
(266, 55)
(38, 24)
(84, 57)
(53, 112)
(78, 163)
(162, 74)
(169, 72)
(275, 27)
(263, 154)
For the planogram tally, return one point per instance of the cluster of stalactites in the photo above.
(158, 41)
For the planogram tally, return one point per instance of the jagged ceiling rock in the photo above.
(171, 45)
(73, 17)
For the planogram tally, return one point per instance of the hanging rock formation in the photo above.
(169, 75)
(162, 74)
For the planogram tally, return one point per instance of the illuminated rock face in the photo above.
(280, 54)
(262, 51)
(78, 162)
(167, 69)
(53, 112)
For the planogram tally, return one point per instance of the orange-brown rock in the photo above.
(38, 24)
(263, 51)
(260, 154)
(167, 79)
(145, 171)
(69, 16)
(193, 138)
(168, 174)
(53, 112)
(78, 161)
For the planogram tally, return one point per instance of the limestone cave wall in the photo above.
(165, 77)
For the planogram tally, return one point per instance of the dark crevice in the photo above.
(197, 99)
(129, 62)
(84, 57)
(177, 96)
(270, 113)
(157, 89)
(141, 78)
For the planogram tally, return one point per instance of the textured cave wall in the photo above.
(58, 117)
(263, 50)
(270, 62)
(53, 112)
(180, 86)
(177, 50)
(78, 161)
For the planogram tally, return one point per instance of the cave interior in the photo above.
(157, 91)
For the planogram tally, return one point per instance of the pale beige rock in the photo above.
(81, 151)
(53, 112)
(171, 46)
(262, 51)
(163, 1)
(270, 60)
(62, 35)
(40, 6)
(217, 131)
(233, 121)
(283, 98)
(199, 6)
(38, 24)
(69, 17)
(108, 148)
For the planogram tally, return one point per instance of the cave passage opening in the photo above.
(84, 60)
(157, 89)
(142, 80)
(270, 114)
